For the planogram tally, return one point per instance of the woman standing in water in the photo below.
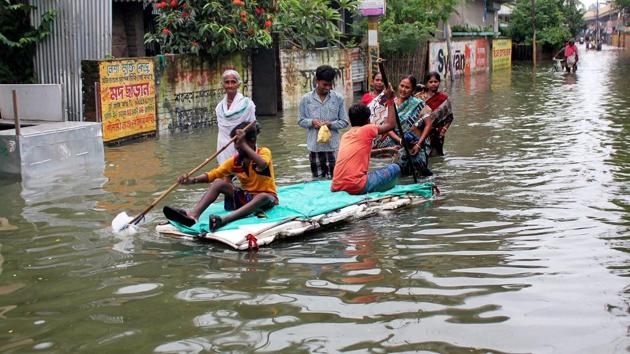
(377, 88)
(441, 112)
(415, 130)
(233, 109)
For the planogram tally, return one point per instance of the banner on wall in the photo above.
(469, 56)
(127, 95)
(501, 54)
(438, 56)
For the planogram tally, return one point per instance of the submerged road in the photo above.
(525, 251)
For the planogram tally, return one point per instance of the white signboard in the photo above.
(372, 7)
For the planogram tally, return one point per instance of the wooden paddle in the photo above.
(140, 216)
(381, 68)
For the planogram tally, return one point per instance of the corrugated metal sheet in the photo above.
(359, 72)
(82, 30)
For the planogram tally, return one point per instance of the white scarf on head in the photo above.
(241, 110)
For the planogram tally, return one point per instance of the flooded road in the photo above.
(525, 251)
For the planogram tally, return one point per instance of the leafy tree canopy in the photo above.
(18, 39)
(218, 27)
(622, 4)
(408, 22)
(556, 21)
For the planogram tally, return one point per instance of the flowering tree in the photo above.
(212, 26)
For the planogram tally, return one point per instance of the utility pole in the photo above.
(449, 49)
(598, 36)
(373, 9)
(534, 35)
(373, 48)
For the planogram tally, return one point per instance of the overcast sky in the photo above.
(588, 3)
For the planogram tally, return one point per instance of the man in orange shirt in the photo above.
(353, 160)
(254, 169)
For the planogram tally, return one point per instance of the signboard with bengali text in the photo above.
(501, 54)
(127, 94)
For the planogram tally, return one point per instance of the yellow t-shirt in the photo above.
(253, 179)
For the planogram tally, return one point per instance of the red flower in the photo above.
(268, 23)
(161, 5)
(166, 31)
(184, 14)
(238, 3)
(173, 3)
(184, 5)
(260, 11)
(243, 14)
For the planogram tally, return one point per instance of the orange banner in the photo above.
(127, 98)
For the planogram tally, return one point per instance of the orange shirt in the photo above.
(252, 179)
(353, 159)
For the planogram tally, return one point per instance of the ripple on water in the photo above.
(137, 288)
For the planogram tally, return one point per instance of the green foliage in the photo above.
(217, 27)
(556, 21)
(212, 27)
(18, 39)
(574, 11)
(312, 23)
(409, 22)
(622, 4)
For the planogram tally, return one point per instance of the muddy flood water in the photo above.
(525, 251)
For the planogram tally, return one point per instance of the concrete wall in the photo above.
(298, 72)
(471, 13)
(189, 88)
(35, 102)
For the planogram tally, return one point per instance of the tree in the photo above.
(574, 16)
(622, 4)
(551, 23)
(217, 27)
(409, 22)
(212, 27)
(18, 40)
(312, 23)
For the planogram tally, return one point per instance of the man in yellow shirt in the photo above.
(254, 169)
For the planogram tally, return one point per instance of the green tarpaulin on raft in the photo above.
(303, 200)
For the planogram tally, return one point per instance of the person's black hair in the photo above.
(412, 79)
(359, 115)
(325, 72)
(421, 88)
(431, 74)
(250, 134)
(374, 75)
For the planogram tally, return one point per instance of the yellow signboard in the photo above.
(501, 54)
(127, 90)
